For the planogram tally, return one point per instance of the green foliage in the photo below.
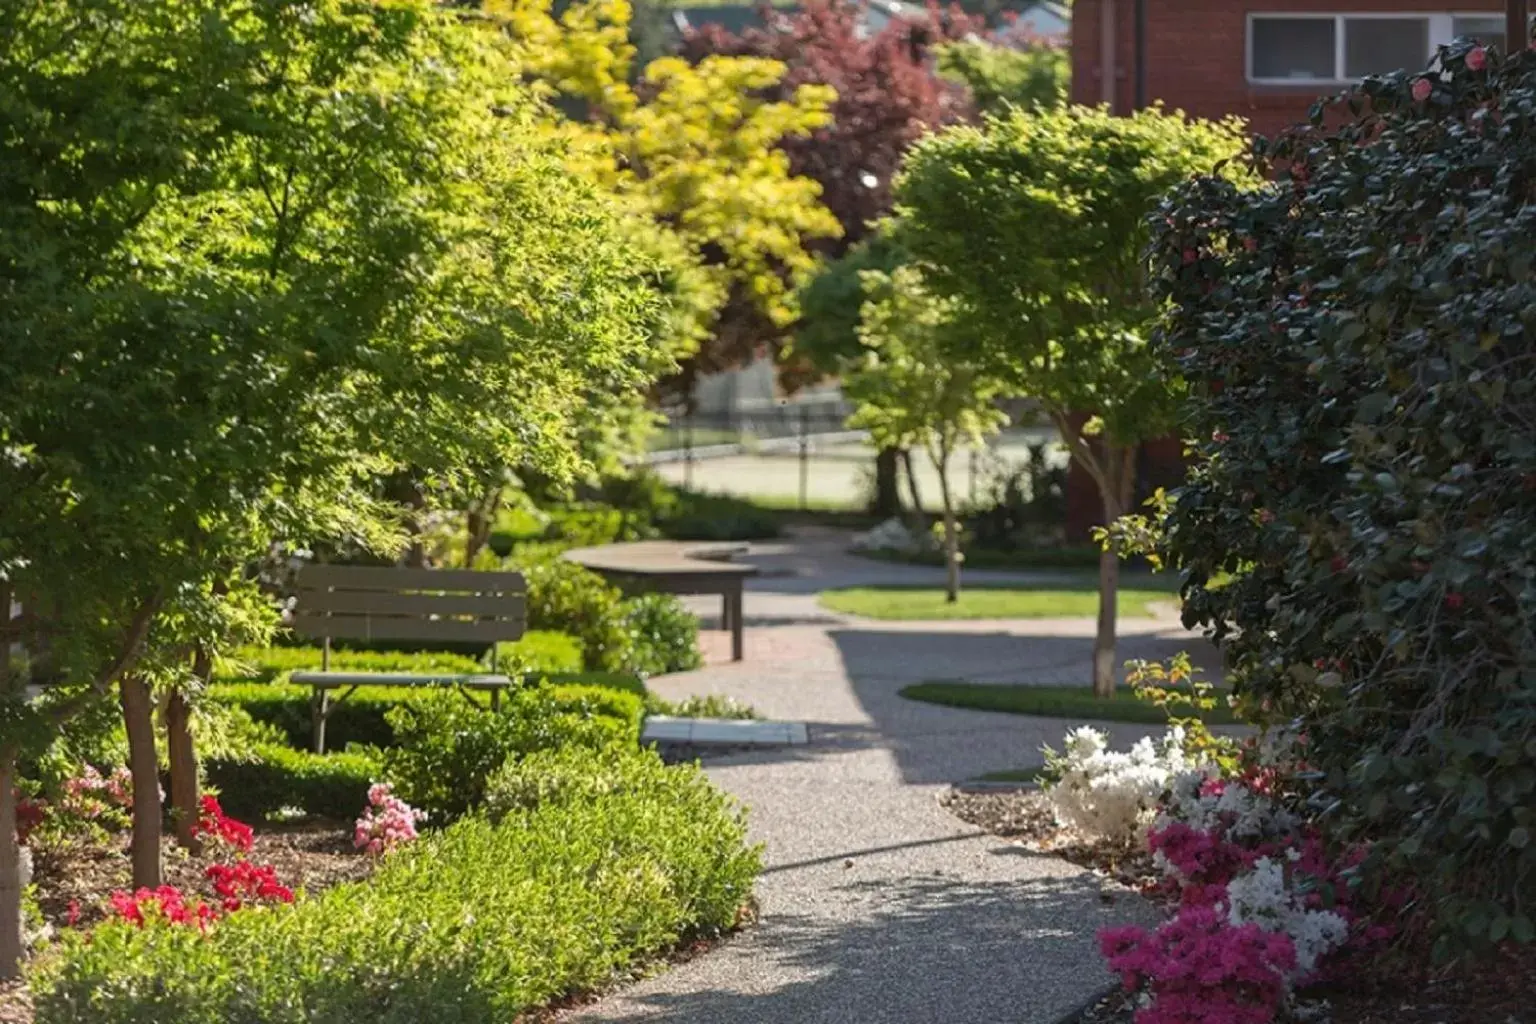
(540, 652)
(274, 664)
(273, 776)
(447, 747)
(1037, 221)
(566, 597)
(363, 717)
(666, 635)
(698, 515)
(1001, 77)
(1360, 530)
(1074, 702)
(827, 334)
(1062, 600)
(565, 775)
(909, 393)
(1176, 689)
(708, 706)
(480, 922)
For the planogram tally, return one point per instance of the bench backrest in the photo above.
(390, 603)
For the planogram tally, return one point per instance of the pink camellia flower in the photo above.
(1421, 90)
(1477, 59)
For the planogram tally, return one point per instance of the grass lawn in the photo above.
(1044, 601)
(1050, 702)
(1012, 775)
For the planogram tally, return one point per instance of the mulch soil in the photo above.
(1392, 990)
(309, 856)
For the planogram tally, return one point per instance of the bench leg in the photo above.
(321, 705)
(733, 614)
(725, 611)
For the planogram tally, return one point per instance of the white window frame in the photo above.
(1441, 27)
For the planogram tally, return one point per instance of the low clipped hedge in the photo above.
(360, 719)
(478, 923)
(274, 776)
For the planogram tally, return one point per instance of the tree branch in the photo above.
(127, 654)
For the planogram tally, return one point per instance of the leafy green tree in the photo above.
(1038, 222)
(1001, 77)
(256, 259)
(911, 392)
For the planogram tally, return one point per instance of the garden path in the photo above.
(877, 905)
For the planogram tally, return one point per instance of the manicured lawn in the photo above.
(1065, 600)
(1050, 702)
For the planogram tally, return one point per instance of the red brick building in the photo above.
(1263, 60)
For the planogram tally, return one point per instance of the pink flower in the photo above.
(1477, 59)
(1422, 89)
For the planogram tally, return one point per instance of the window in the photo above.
(1290, 49)
(1376, 46)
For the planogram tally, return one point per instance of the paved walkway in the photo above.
(878, 905)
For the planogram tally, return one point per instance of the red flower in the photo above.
(1251, 244)
(1190, 256)
(1477, 59)
(214, 823)
(1422, 90)
(1266, 515)
(1220, 436)
(1453, 600)
(1339, 563)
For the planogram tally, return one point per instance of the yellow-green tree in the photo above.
(694, 149)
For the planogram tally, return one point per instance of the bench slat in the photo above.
(394, 579)
(360, 602)
(337, 680)
(374, 627)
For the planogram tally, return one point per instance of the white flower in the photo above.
(1113, 794)
(1264, 897)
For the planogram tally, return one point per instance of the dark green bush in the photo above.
(476, 924)
(326, 785)
(447, 748)
(718, 517)
(665, 635)
(1360, 341)
(268, 664)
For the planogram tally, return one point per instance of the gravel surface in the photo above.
(878, 905)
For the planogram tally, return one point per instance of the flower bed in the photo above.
(479, 922)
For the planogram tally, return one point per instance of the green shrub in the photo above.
(664, 635)
(718, 517)
(478, 923)
(568, 774)
(1358, 344)
(540, 651)
(269, 664)
(564, 596)
(326, 785)
(710, 706)
(360, 719)
(447, 748)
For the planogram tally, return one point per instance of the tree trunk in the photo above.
(917, 499)
(138, 718)
(183, 758)
(1116, 496)
(10, 868)
(887, 501)
(951, 533)
(478, 522)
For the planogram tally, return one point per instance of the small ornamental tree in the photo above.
(1036, 76)
(1037, 221)
(1360, 532)
(911, 393)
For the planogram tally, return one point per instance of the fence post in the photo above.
(805, 458)
(688, 450)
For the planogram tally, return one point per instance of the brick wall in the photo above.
(1197, 54)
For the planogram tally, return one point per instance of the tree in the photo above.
(694, 147)
(887, 98)
(1000, 77)
(254, 262)
(1037, 221)
(912, 393)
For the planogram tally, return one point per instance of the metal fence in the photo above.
(805, 456)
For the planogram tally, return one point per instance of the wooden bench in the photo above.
(674, 567)
(351, 602)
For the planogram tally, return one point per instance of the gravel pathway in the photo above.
(878, 905)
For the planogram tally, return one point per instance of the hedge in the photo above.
(538, 650)
(475, 924)
(326, 785)
(360, 718)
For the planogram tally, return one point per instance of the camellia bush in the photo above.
(1359, 336)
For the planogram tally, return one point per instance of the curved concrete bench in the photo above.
(675, 567)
